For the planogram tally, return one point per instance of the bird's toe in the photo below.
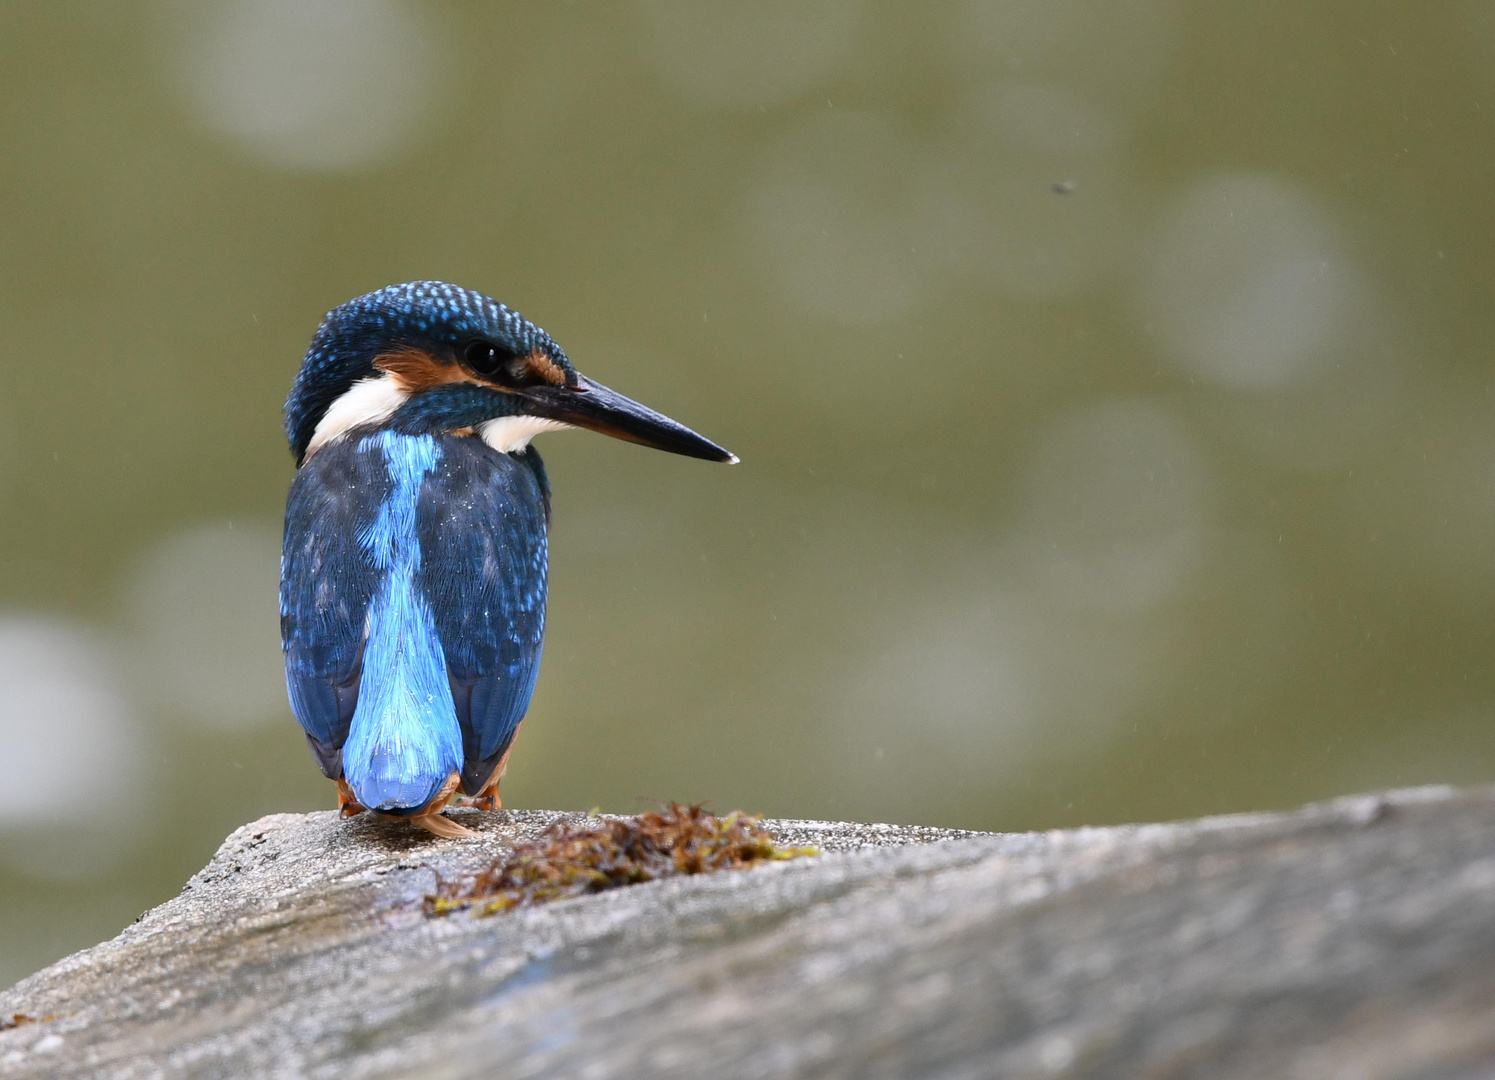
(441, 826)
(347, 803)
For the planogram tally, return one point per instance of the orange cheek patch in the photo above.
(415, 370)
(544, 368)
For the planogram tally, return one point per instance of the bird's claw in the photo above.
(487, 799)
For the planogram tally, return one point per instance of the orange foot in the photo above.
(487, 797)
(430, 817)
(347, 804)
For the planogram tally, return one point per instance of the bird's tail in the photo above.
(404, 742)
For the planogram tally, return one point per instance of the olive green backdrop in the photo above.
(1112, 381)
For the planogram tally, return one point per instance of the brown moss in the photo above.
(15, 1020)
(572, 860)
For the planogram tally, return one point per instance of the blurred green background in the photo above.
(1112, 379)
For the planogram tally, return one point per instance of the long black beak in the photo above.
(593, 406)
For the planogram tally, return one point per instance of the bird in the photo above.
(414, 562)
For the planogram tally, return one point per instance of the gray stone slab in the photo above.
(1351, 939)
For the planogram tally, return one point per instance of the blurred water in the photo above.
(1112, 382)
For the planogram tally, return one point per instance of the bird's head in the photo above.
(427, 357)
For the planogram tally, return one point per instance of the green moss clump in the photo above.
(608, 853)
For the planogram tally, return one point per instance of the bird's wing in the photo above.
(326, 583)
(482, 521)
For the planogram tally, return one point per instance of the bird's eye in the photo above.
(503, 366)
(484, 357)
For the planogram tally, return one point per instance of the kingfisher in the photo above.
(414, 563)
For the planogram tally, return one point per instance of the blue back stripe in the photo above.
(404, 740)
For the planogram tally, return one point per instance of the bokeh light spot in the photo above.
(1247, 285)
(204, 608)
(73, 771)
(309, 84)
(63, 721)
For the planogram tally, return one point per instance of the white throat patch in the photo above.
(368, 401)
(508, 434)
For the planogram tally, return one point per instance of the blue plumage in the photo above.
(447, 568)
(413, 573)
(404, 740)
(326, 584)
(487, 588)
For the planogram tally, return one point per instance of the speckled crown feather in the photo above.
(417, 313)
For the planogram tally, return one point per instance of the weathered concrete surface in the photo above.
(1355, 939)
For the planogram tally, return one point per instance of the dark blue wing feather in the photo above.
(482, 522)
(326, 583)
